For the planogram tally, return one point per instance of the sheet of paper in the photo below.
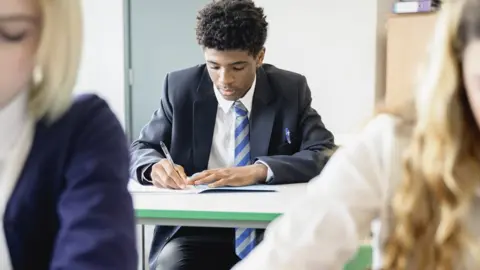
(153, 189)
(201, 189)
(253, 188)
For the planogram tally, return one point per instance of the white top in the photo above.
(325, 228)
(222, 153)
(12, 120)
(15, 140)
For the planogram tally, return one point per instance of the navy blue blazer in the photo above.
(185, 122)
(71, 208)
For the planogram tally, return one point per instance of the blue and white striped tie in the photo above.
(244, 238)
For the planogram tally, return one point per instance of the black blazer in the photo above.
(186, 118)
(70, 208)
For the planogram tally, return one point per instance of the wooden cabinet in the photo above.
(408, 38)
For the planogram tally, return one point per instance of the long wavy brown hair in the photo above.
(441, 170)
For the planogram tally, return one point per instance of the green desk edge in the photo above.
(205, 215)
(361, 261)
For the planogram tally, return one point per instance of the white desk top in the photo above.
(269, 202)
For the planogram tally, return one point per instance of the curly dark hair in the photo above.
(232, 25)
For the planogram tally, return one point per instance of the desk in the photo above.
(227, 210)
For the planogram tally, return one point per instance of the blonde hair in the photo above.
(442, 163)
(58, 58)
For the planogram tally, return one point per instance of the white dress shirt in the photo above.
(12, 119)
(325, 227)
(222, 153)
(16, 131)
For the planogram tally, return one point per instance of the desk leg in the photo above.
(140, 233)
(144, 263)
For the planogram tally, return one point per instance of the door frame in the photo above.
(128, 69)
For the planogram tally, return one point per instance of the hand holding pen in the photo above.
(166, 174)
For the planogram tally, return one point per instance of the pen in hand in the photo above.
(170, 160)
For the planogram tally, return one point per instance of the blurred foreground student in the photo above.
(63, 164)
(417, 170)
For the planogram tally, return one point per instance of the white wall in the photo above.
(339, 47)
(102, 67)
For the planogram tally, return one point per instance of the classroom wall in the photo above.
(102, 67)
(339, 47)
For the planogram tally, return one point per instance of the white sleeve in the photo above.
(269, 171)
(325, 227)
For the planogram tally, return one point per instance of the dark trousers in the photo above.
(195, 248)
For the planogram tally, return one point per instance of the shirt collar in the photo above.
(247, 100)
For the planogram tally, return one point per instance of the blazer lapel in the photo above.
(204, 114)
(262, 116)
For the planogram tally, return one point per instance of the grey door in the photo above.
(162, 39)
